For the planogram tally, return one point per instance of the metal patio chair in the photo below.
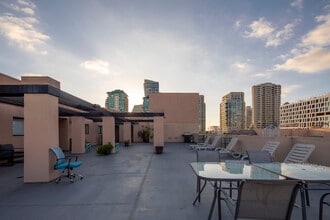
(65, 164)
(259, 156)
(259, 199)
(205, 143)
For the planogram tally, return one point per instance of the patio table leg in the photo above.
(215, 194)
(303, 201)
(200, 190)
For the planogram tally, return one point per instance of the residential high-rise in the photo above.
(202, 109)
(117, 100)
(232, 111)
(266, 103)
(310, 113)
(149, 87)
(248, 117)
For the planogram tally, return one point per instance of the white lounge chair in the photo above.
(211, 146)
(299, 153)
(229, 148)
(205, 143)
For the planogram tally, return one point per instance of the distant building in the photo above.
(117, 100)
(248, 117)
(266, 103)
(202, 110)
(149, 88)
(232, 112)
(138, 108)
(310, 113)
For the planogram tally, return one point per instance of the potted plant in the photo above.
(159, 149)
(105, 149)
(126, 143)
(145, 134)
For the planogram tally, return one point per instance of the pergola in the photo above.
(44, 103)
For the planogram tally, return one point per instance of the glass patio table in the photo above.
(215, 173)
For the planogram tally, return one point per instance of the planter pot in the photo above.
(159, 149)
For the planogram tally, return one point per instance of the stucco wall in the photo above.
(181, 113)
(7, 112)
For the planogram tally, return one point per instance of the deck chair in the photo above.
(205, 156)
(270, 146)
(205, 143)
(229, 148)
(211, 146)
(65, 164)
(300, 153)
(263, 199)
(259, 156)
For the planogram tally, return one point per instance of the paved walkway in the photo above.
(133, 184)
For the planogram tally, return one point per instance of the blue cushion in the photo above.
(66, 165)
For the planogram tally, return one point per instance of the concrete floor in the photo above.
(133, 184)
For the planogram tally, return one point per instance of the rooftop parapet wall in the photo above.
(40, 80)
(7, 80)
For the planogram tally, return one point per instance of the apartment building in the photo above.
(202, 109)
(266, 103)
(248, 117)
(149, 88)
(117, 100)
(232, 112)
(310, 113)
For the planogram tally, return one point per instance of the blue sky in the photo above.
(209, 47)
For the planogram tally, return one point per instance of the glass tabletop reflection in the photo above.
(307, 172)
(232, 170)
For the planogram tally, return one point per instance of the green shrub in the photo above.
(104, 149)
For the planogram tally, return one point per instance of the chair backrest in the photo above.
(207, 140)
(59, 154)
(259, 156)
(231, 144)
(266, 199)
(299, 153)
(207, 156)
(215, 141)
(271, 147)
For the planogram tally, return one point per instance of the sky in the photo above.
(199, 46)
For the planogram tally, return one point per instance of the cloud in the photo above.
(312, 54)
(315, 60)
(241, 66)
(21, 30)
(260, 29)
(286, 90)
(98, 66)
(237, 24)
(263, 29)
(266, 75)
(297, 4)
(320, 35)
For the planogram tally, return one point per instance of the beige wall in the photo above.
(181, 113)
(320, 155)
(7, 112)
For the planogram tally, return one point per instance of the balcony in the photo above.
(132, 184)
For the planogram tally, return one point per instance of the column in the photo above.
(158, 131)
(78, 134)
(108, 130)
(127, 131)
(41, 131)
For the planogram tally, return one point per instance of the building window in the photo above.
(86, 128)
(18, 126)
(100, 130)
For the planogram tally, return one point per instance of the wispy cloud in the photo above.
(297, 4)
(241, 66)
(315, 60)
(98, 66)
(312, 54)
(21, 30)
(286, 90)
(263, 29)
(266, 75)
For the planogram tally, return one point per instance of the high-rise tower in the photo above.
(149, 87)
(266, 103)
(117, 100)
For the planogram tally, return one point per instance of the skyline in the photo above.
(208, 47)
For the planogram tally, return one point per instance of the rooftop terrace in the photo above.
(132, 184)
